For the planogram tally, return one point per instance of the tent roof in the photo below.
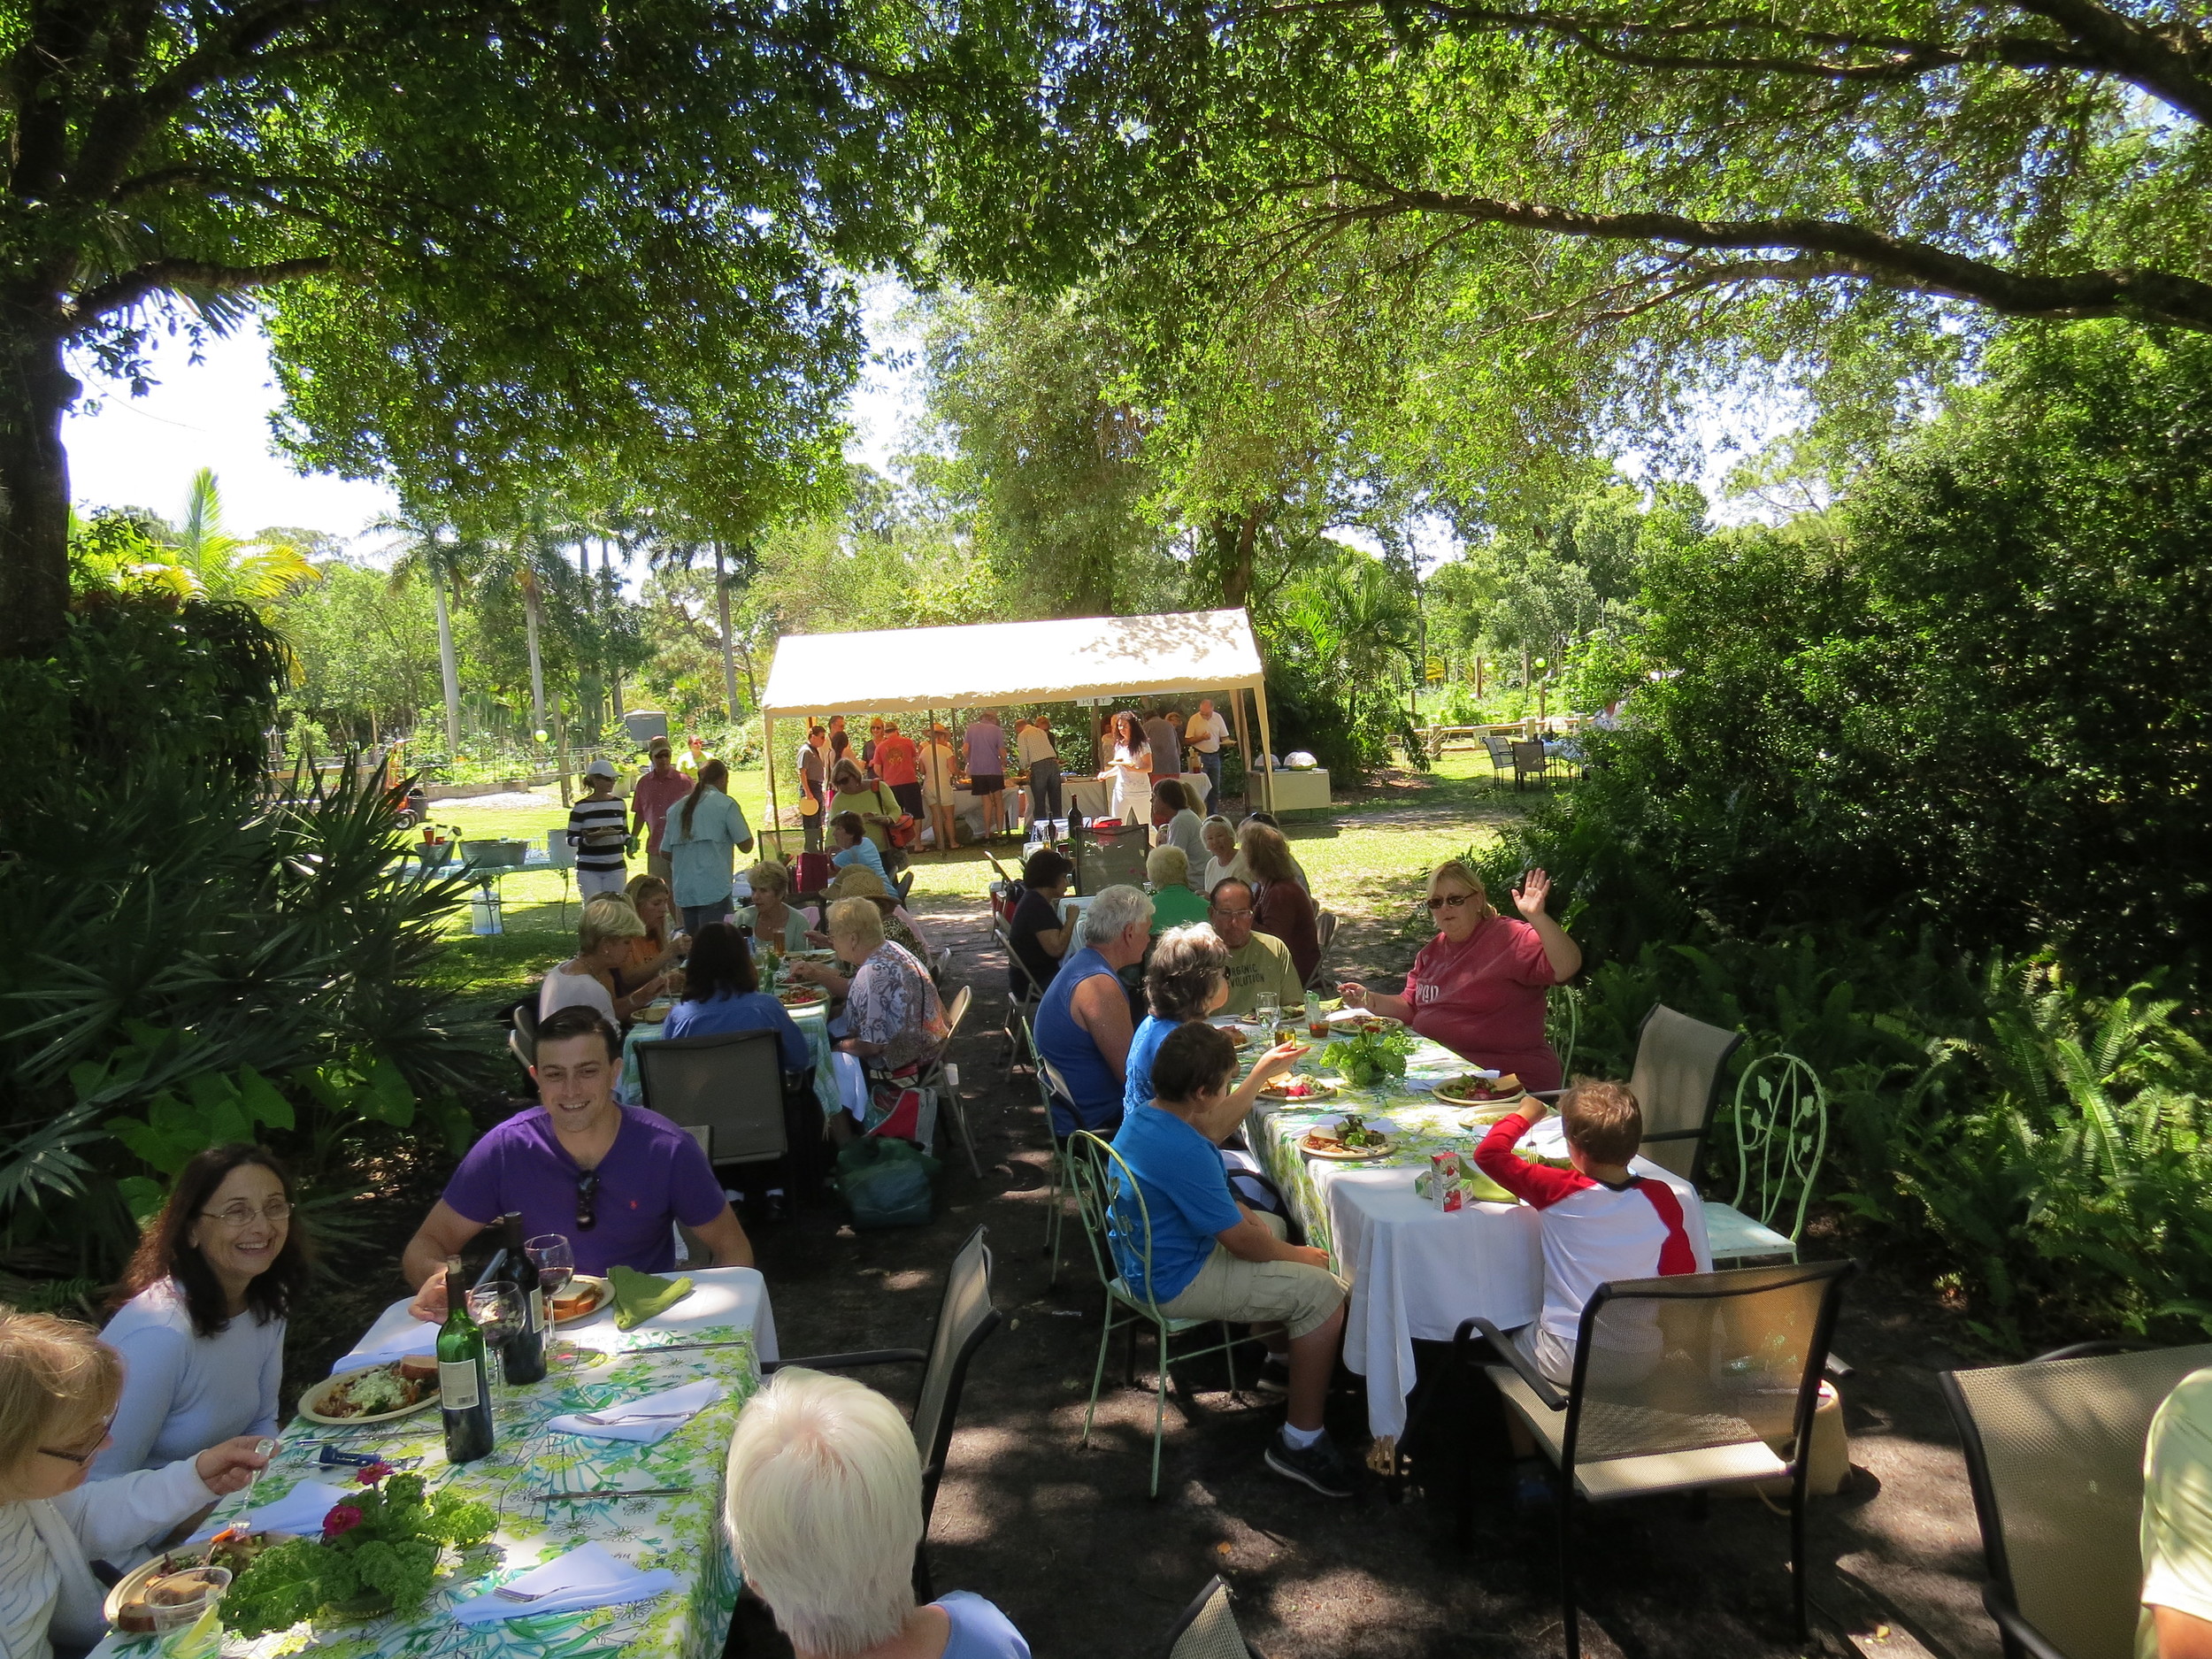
(1055, 661)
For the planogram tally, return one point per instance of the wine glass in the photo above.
(496, 1307)
(556, 1262)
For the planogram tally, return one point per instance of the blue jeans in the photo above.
(698, 916)
(1044, 789)
(1211, 766)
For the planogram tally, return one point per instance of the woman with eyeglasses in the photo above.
(201, 1325)
(1478, 987)
(59, 1385)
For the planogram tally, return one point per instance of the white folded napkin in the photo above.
(586, 1578)
(407, 1342)
(852, 1083)
(299, 1511)
(650, 1418)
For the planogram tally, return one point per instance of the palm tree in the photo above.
(224, 566)
(529, 558)
(427, 553)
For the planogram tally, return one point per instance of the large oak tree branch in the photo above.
(2173, 65)
(1824, 248)
(120, 293)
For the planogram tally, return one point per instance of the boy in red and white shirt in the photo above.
(1599, 1223)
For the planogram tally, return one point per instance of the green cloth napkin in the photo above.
(642, 1296)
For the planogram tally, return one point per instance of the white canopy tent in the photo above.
(1062, 660)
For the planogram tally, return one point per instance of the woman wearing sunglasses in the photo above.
(59, 1385)
(201, 1332)
(1478, 987)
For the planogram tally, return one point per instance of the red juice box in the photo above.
(1444, 1173)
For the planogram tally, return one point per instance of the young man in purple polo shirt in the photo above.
(611, 1178)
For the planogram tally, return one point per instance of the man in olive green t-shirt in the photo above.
(1257, 961)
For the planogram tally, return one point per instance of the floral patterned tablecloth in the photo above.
(523, 1481)
(1416, 1270)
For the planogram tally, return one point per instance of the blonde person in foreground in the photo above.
(2176, 1532)
(823, 1505)
(58, 1387)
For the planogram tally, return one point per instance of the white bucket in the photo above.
(484, 913)
(560, 852)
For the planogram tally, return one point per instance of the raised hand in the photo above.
(1354, 995)
(1277, 1060)
(1530, 896)
(226, 1467)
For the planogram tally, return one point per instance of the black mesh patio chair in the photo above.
(1207, 1629)
(1680, 1384)
(966, 1318)
(2054, 1454)
(731, 1083)
(1530, 761)
(1675, 1080)
(949, 1101)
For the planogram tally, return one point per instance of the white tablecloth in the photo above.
(721, 1295)
(1091, 796)
(1418, 1272)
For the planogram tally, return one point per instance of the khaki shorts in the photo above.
(1289, 1293)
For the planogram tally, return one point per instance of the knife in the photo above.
(613, 1492)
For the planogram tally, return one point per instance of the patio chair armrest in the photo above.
(1539, 1385)
(834, 1362)
(2017, 1629)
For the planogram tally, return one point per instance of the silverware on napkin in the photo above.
(613, 1492)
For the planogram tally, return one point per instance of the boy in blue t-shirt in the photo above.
(1214, 1259)
(855, 848)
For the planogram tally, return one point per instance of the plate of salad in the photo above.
(1297, 1091)
(375, 1394)
(1348, 1138)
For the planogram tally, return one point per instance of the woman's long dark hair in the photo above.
(164, 1254)
(713, 775)
(720, 964)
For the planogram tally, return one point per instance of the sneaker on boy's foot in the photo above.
(1318, 1465)
(1274, 1378)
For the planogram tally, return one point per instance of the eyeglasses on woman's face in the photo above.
(242, 1215)
(1449, 900)
(82, 1458)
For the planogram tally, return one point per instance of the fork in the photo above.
(505, 1594)
(601, 1419)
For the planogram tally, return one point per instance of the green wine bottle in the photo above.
(465, 1393)
(522, 1357)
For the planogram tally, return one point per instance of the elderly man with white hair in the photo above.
(1083, 1025)
(823, 1499)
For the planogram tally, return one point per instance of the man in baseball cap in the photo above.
(596, 829)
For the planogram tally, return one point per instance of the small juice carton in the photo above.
(1444, 1173)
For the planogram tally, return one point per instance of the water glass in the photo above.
(1267, 1010)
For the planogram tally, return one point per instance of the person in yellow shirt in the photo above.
(693, 757)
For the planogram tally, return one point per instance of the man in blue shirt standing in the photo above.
(1214, 1259)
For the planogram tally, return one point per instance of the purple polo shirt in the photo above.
(654, 1174)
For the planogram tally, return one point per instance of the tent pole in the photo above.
(768, 754)
(1244, 743)
(1267, 743)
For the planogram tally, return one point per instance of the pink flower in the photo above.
(373, 1473)
(343, 1517)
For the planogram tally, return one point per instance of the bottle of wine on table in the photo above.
(465, 1394)
(523, 1354)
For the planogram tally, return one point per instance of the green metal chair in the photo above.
(1565, 1017)
(1057, 1183)
(1781, 1125)
(1118, 1224)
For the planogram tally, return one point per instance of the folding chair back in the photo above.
(1699, 1378)
(1324, 931)
(2054, 1453)
(1117, 1224)
(956, 1012)
(1528, 761)
(732, 1083)
(965, 1319)
(1111, 854)
(1208, 1628)
(1676, 1080)
(1500, 748)
(524, 1016)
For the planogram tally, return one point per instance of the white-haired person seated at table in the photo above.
(605, 928)
(893, 1020)
(58, 1386)
(1167, 871)
(823, 1499)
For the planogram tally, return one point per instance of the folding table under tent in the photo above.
(1068, 660)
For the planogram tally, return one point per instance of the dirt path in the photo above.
(1064, 1539)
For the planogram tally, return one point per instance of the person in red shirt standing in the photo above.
(1478, 987)
(657, 789)
(897, 763)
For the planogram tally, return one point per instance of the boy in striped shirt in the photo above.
(1598, 1222)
